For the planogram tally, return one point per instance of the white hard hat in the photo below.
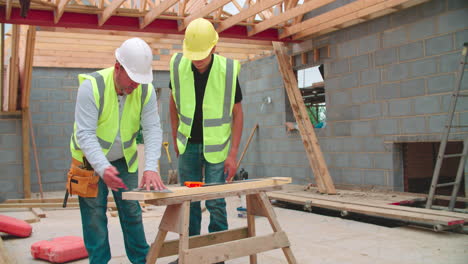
(136, 58)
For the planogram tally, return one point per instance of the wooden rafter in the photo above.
(282, 20)
(44, 3)
(156, 12)
(299, 18)
(13, 69)
(143, 5)
(108, 11)
(193, 5)
(246, 13)
(8, 9)
(182, 5)
(203, 12)
(237, 5)
(356, 10)
(291, 13)
(58, 12)
(218, 13)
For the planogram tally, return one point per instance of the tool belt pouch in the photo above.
(82, 182)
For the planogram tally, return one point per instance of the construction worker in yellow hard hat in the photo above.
(104, 133)
(206, 117)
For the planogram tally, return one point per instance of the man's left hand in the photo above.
(230, 167)
(152, 179)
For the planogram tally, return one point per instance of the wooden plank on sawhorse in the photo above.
(221, 247)
(309, 139)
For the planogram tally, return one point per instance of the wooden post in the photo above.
(246, 146)
(309, 139)
(13, 84)
(26, 161)
(2, 66)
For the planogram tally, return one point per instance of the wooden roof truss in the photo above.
(277, 20)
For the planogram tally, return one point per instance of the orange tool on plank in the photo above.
(192, 184)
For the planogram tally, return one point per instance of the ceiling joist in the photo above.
(156, 12)
(355, 11)
(285, 16)
(58, 12)
(246, 13)
(108, 11)
(203, 12)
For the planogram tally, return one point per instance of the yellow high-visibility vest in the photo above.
(218, 103)
(108, 119)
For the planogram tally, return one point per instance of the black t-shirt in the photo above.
(196, 135)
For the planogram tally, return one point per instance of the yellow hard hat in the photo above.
(200, 38)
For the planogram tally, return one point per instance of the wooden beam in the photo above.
(26, 160)
(185, 191)
(182, 5)
(14, 69)
(337, 17)
(285, 16)
(335, 14)
(237, 5)
(8, 9)
(44, 3)
(393, 213)
(239, 248)
(156, 12)
(44, 205)
(27, 68)
(58, 12)
(246, 13)
(309, 139)
(38, 212)
(108, 11)
(371, 204)
(171, 247)
(206, 10)
(143, 5)
(2, 64)
(47, 200)
(304, 58)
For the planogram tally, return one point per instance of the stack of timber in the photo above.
(378, 204)
(94, 49)
(49, 203)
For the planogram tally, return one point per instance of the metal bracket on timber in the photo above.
(312, 147)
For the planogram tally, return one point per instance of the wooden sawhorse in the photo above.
(219, 246)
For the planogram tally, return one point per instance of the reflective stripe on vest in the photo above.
(182, 118)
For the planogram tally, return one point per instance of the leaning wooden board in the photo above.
(185, 191)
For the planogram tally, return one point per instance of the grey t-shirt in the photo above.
(86, 119)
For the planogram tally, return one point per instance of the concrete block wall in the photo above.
(11, 160)
(387, 81)
(52, 103)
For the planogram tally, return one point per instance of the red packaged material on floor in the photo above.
(60, 249)
(14, 226)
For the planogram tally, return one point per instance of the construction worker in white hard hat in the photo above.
(206, 117)
(110, 107)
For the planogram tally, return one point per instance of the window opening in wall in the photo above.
(312, 87)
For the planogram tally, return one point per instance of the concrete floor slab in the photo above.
(314, 239)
